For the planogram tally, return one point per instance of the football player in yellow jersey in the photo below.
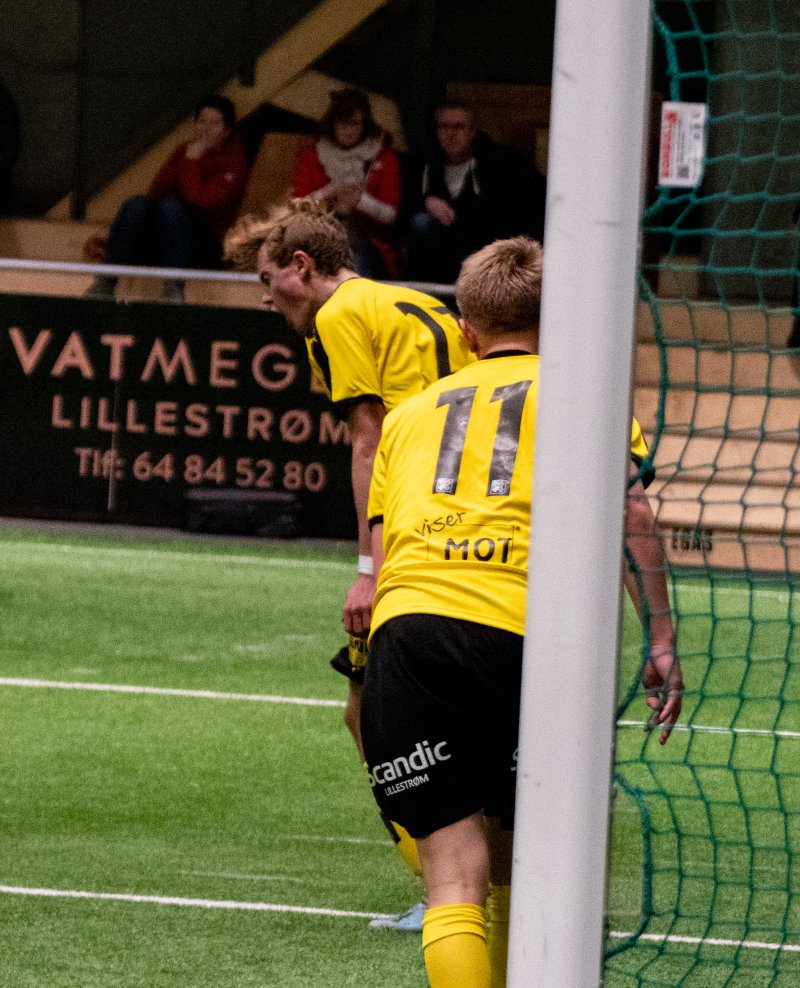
(450, 507)
(372, 346)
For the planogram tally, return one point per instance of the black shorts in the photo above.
(440, 719)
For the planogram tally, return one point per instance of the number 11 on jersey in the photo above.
(460, 403)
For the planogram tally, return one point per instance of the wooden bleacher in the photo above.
(707, 322)
(57, 240)
(727, 460)
(43, 240)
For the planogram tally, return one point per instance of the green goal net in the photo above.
(704, 888)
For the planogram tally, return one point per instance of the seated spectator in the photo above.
(9, 143)
(353, 168)
(473, 192)
(190, 204)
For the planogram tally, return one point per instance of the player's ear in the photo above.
(303, 263)
(469, 335)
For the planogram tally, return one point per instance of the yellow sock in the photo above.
(406, 844)
(407, 847)
(454, 942)
(497, 932)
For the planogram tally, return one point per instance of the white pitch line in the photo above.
(267, 562)
(274, 907)
(164, 691)
(339, 840)
(710, 729)
(316, 702)
(745, 590)
(708, 941)
(284, 563)
(171, 900)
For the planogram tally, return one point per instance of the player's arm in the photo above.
(647, 586)
(365, 421)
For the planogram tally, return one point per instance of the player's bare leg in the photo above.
(455, 866)
(352, 714)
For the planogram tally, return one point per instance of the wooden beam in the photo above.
(292, 54)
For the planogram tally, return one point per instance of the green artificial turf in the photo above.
(246, 800)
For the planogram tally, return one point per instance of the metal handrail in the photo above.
(178, 274)
(123, 270)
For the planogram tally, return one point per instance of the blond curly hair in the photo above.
(302, 224)
(243, 241)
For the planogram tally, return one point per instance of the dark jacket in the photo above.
(9, 145)
(504, 196)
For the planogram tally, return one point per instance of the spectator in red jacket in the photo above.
(355, 170)
(190, 204)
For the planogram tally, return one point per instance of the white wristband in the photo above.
(365, 565)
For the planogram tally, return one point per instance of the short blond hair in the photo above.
(302, 224)
(499, 288)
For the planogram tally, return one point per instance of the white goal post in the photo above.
(597, 128)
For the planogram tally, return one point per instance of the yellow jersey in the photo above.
(639, 452)
(452, 484)
(372, 340)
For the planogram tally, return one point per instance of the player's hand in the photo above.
(358, 605)
(663, 681)
(347, 196)
(440, 210)
(197, 148)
